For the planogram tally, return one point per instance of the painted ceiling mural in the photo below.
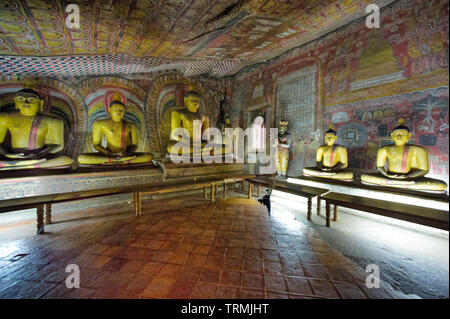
(139, 36)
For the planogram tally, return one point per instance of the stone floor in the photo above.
(178, 248)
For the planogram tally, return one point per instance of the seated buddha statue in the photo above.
(331, 160)
(121, 140)
(36, 138)
(407, 164)
(182, 141)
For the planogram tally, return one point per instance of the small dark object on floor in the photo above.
(265, 200)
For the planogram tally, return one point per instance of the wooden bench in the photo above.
(40, 192)
(420, 215)
(187, 186)
(300, 190)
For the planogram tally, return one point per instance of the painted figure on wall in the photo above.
(36, 138)
(121, 140)
(331, 159)
(282, 155)
(407, 164)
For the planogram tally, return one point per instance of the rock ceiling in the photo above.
(131, 36)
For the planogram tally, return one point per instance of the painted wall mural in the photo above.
(367, 79)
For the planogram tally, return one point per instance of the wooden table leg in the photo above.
(137, 203)
(205, 191)
(224, 190)
(259, 191)
(48, 213)
(335, 213)
(40, 219)
(318, 205)
(250, 190)
(212, 193)
(327, 211)
(309, 208)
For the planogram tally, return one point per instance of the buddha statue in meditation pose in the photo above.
(406, 164)
(184, 119)
(121, 140)
(331, 160)
(282, 152)
(36, 138)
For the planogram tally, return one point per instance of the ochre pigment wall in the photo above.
(365, 80)
(81, 101)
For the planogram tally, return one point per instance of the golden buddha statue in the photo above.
(185, 119)
(407, 164)
(121, 138)
(331, 160)
(282, 152)
(35, 138)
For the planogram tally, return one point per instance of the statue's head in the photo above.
(330, 136)
(401, 133)
(282, 126)
(192, 101)
(28, 102)
(116, 109)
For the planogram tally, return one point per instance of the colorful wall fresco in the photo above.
(367, 79)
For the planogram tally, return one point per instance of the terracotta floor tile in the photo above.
(132, 265)
(253, 265)
(154, 244)
(210, 276)
(115, 264)
(158, 288)
(251, 294)
(324, 288)
(113, 251)
(275, 295)
(339, 274)
(233, 263)
(271, 255)
(196, 260)
(190, 273)
(151, 268)
(235, 253)
(184, 248)
(251, 253)
(214, 262)
(160, 255)
(293, 269)
(138, 283)
(206, 240)
(80, 293)
(232, 278)
(315, 271)
(178, 258)
(273, 267)
(227, 292)
(275, 283)
(253, 280)
(217, 251)
(170, 271)
(298, 285)
(204, 291)
(181, 290)
(57, 292)
(201, 249)
(98, 262)
(169, 246)
(350, 291)
(140, 243)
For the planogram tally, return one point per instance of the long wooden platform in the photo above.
(420, 215)
(41, 191)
